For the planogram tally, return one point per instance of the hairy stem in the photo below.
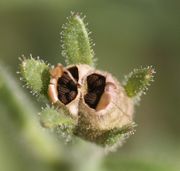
(23, 113)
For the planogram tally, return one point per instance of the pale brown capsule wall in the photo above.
(101, 103)
(116, 113)
(72, 107)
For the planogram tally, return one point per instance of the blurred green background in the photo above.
(128, 34)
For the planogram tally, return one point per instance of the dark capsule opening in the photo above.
(96, 84)
(74, 72)
(67, 88)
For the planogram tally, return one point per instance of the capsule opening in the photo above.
(67, 87)
(74, 72)
(96, 84)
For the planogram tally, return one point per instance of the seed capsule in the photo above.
(65, 84)
(94, 98)
(111, 108)
(63, 98)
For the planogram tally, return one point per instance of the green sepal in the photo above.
(137, 82)
(35, 74)
(58, 121)
(50, 117)
(116, 136)
(105, 138)
(76, 44)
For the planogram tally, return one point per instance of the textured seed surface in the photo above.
(67, 88)
(74, 72)
(63, 89)
(64, 79)
(91, 79)
(72, 94)
(91, 99)
(71, 85)
(96, 84)
(63, 98)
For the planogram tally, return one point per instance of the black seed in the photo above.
(63, 99)
(67, 88)
(95, 81)
(98, 91)
(68, 97)
(64, 79)
(99, 83)
(92, 78)
(96, 84)
(72, 94)
(91, 99)
(62, 89)
(74, 72)
(71, 85)
(95, 87)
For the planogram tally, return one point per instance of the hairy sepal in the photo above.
(35, 74)
(76, 44)
(137, 82)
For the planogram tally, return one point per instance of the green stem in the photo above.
(23, 114)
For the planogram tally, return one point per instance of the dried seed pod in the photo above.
(110, 109)
(65, 84)
(94, 98)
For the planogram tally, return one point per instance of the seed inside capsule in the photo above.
(71, 85)
(63, 89)
(63, 98)
(72, 94)
(100, 82)
(67, 87)
(91, 99)
(91, 79)
(64, 79)
(74, 72)
(96, 84)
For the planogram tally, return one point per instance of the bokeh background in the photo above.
(128, 34)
